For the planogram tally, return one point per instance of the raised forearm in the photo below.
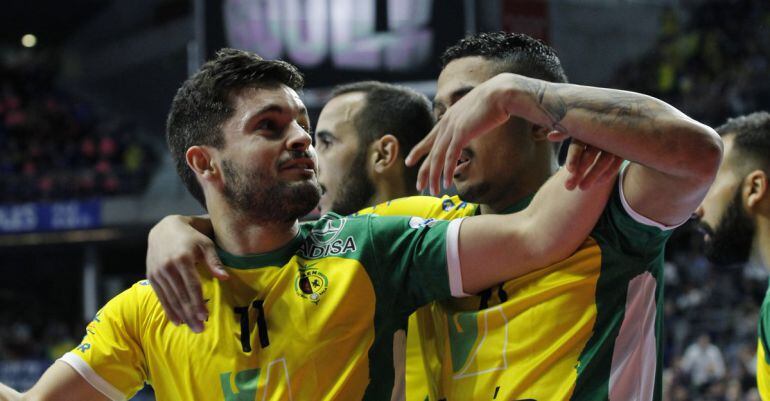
(633, 126)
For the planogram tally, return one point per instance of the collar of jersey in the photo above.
(278, 257)
(518, 206)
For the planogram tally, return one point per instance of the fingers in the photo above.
(587, 159)
(437, 157)
(418, 152)
(598, 171)
(213, 263)
(421, 149)
(557, 136)
(577, 155)
(164, 302)
(450, 162)
(194, 295)
(172, 304)
(433, 169)
(423, 174)
(574, 155)
(612, 170)
(178, 299)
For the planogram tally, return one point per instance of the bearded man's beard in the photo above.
(356, 190)
(731, 240)
(265, 199)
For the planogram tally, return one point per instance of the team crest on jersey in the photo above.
(310, 283)
(327, 233)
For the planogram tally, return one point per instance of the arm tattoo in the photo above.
(621, 111)
(553, 107)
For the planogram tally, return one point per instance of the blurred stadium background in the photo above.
(85, 86)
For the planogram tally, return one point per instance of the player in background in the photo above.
(588, 327)
(284, 326)
(736, 213)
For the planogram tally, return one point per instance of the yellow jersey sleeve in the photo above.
(763, 373)
(444, 208)
(110, 356)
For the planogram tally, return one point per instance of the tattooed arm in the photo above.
(674, 157)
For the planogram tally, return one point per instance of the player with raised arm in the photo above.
(310, 310)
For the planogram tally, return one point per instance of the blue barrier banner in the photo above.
(30, 217)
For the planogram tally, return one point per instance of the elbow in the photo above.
(704, 154)
(711, 150)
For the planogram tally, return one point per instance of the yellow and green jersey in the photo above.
(763, 357)
(586, 328)
(314, 320)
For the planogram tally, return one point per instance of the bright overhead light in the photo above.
(29, 40)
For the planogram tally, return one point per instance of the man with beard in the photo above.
(363, 135)
(736, 213)
(309, 311)
(588, 327)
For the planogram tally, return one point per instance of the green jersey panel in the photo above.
(623, 357)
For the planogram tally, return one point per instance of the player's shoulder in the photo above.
(446, 207)
(137, 292)
(132, 305)
(142, 288)
(142, 295)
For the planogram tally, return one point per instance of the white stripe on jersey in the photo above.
(634, 359)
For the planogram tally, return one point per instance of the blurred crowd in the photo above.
(711, 315)
(711, 59)
(55, 146)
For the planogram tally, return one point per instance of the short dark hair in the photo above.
(752, 137)
(204, 103)
(518, 53)
(390, 109)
